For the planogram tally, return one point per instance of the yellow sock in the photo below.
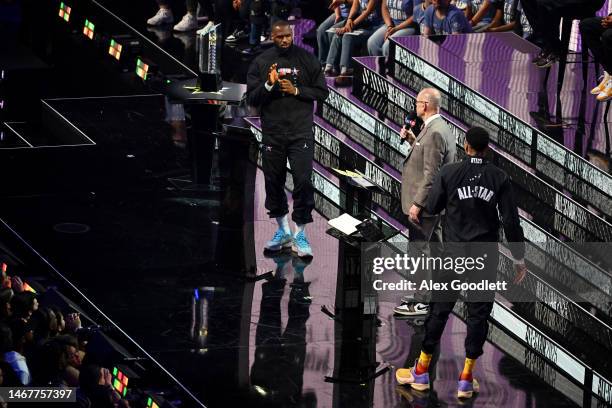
(468, 367)
(423, 364)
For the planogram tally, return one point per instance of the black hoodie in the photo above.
(282, 113)
(475, 194)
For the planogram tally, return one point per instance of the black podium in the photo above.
(205, 110)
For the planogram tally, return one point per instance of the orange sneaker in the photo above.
(606, 94)
(600, 88)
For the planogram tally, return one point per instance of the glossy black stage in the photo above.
(96, 190)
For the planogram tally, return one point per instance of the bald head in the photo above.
(433, 98)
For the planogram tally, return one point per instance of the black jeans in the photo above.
(299, 150)
(598, 40)
(545, 17)
(479, 304)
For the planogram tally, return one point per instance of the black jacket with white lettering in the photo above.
(475, 194)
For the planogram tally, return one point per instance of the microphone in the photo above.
(412, 122)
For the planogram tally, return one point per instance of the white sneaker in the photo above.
(188, 22)
(206, 28)
(412, 309)
(163, 16)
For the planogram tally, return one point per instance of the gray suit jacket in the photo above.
(434, 147)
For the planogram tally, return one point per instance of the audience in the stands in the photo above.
(364, 18)
(341, 10)
(482, 13)
(23, 304)
(545, 17)
(397, 16)
(444, 18)
(17, 340)
(597, 36)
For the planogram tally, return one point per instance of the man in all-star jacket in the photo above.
(474, 193)
(284, 82)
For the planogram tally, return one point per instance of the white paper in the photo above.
(345, 224)
(362, 182)
(355, 32)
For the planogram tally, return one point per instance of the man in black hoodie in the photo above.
(283, 82)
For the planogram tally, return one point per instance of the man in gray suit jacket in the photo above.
(434, 147)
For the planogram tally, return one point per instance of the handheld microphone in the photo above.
(414, 123)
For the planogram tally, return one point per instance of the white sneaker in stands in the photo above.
(188, 22)
(163, 16)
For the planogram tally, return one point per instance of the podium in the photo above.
(205, 110)
(355, 317)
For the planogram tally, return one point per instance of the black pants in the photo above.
(479, 305)
(545, 16)
(425, 240)
(299, 150)
(599, 41)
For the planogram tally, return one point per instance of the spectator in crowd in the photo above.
(482, 13)
(364, 18)
(21, 336)
(336, 20)
(23, 305)
(397, 16)
(74, 357)
(444, 18)
(256, 11)
(8, 378)
(238, 28)
(545, 17)
(512, 19)
(73, 323)
(61, 322)
(189, 22)
(597, 35)
(44, 323)
(96, 388)
(418, 15)
(6, 294)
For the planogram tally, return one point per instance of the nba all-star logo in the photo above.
(288, 71)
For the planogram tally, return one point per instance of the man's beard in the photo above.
(283, 51)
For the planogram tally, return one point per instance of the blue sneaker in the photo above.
(467, 389)
(419, 382)
(279, 241)
(301, 245)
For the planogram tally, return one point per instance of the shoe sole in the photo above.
(404, 380)
(300, 253)
(547, 65)
(278, 247)
(410, 313)
(160, 24)
(469, 394)
(607, 98)
(410, 381)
